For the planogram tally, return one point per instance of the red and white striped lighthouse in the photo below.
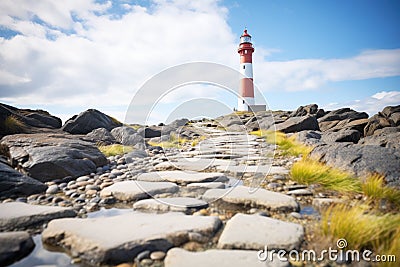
(246, 87)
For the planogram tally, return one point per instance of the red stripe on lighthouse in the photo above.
(246, 88)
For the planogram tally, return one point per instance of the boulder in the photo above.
(275, 234)
(47, 157)
(305, 110)
(19, 216)
(387, 137)
(15, 184)
(14, 120)
(309, 137)
(127, 136)
(297, 124)
(89, 120)
(260, 122)
(389, 117)
(149, 132)
(362, 160)
(341, 118)
(121, 238)
(101, 136)
(341, 136)
(14, 246)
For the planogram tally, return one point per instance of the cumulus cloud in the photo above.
(372, 104)
(82, 53)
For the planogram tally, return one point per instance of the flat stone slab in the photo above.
(246, 196)
(136, 190)
(182, 177)
(264, 169)
(14, 246)
(178, 257)
(209, 185)
(121, 238)
(189, 164)
(245, 231)
(170, 204)
(18, 215)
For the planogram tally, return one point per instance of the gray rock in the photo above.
(242, 195)
(178, 257)
(14, 246)
(178, 123)
(255, 232)
(361, 160)
(309, 137)
(136, 190)
(297, 124)
(29, 120)
(52, 189)
(134, 232)
(387, 137)
(389, 117)
(208, 185)
(18, 215)
(89, 120)
(343, 114)
(47, 157)
(300, 192)
(305, 110)
(150, 132)
(170, 204)
(13, 183)
(342, 136)
(101, 136)
(127, 136)
(182, 177)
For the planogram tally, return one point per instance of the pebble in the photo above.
(22, 199)
(143, 255)
(157, 255)
(52, 189)
(296, 215)
(82, 178)
(146, 261)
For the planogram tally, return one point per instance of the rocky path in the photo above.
(218, 202)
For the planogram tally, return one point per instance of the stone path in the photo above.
(246, 196)
(18, 215)
(195, 191)
(121, 238)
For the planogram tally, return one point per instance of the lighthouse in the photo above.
(246, 87)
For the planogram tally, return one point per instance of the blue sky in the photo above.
(68, 57)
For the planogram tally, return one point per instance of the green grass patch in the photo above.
(116, 149)
(288, 145)
(375, 189)
(308, 171)
(362, 229)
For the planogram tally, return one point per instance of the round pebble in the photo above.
(157, 255)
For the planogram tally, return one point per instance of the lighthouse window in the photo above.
(244, 66)
(243, 101)
(245, 51)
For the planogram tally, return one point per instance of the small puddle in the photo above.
(308, 210)
(42, 256)
(47, 256)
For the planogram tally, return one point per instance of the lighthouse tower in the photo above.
(246, 87)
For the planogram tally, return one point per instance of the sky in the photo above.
(68, 56)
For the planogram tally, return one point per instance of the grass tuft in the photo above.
(13, 124)
(362, 229)
(116, 149)
(308, 171)
(174, 142)
(288, 145)
(375, 189)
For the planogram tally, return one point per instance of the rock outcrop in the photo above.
(15, 184)
(89, 120)
(14, 120)
(47, 157)
(389, 117)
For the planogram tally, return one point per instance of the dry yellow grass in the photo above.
(116, 149)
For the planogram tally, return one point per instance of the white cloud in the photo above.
(372, 104)
(307, 74)
(76, 53)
